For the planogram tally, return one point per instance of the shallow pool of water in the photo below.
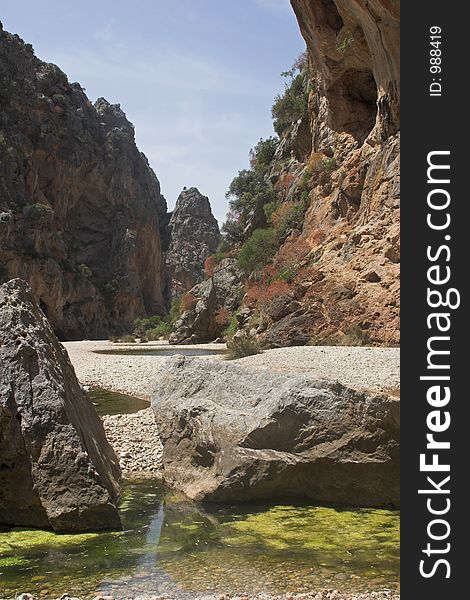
(115, 403)
(142, 351)
(175, 547)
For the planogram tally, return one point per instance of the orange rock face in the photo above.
(350, 281)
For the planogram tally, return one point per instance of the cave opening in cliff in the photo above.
(353, 103)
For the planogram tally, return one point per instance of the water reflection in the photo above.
(174, 547)
(115, 403)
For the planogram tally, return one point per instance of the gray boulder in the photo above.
(56, 467)
(221, 291)
(235, 434)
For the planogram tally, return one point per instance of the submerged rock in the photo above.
(233, 434)
(57, 468)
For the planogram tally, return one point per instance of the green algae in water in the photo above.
(115, 403)
(278, 549)
(172, 546)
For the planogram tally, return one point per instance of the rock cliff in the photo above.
(352, 220)
(194, 236)
(321, 203)
(214, 300)
(57, 468)
(81, 212)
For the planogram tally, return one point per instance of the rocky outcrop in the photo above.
(56, 467)
(81, 213)
(215, 299)
(339, 165)
(194, 236)
(232, 434)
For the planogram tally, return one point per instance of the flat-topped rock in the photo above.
(235, 434)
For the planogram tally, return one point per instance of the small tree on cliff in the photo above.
(292, 104)
(249, 192)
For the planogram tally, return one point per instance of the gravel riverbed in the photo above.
(135, 436)
(320, 595)
(359, 367)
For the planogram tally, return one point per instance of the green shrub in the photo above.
(141, 326)
(231, 328)
(287, 274)
(59, 99)
(85, 270)
(174, 313)
(327, 165)
(242, 346)
(258, 250)
(290, 106)
(109, 291)
(249, 192)
(123, 339)
(41, 213)
(262, 154)
(293, 219)
(352, 336)
(154, 327)
(163, 329)
(345, 45)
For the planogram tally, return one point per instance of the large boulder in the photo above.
(234, 434)
(56, 467)
(221, 292)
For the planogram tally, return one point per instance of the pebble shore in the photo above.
(135, 436)
(135, 440)
(321, 595)
(368, 368)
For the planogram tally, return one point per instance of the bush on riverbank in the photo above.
(239, 347)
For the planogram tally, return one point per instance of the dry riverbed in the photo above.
(135, 437)
(359, 367)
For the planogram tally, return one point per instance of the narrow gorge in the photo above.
(193, 409)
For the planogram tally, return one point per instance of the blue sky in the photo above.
(196, 77)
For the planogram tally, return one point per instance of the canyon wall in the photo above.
(315, 220)
(352, 220)
(82, 218)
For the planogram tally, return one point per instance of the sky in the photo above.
(196, 77)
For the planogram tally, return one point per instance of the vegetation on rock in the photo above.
(292, 104)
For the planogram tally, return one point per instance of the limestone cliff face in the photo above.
(81, 213)
(350, 277)
(194, 236)
(335, 275)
